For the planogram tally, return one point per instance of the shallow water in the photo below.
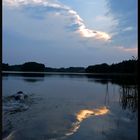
(71, 107)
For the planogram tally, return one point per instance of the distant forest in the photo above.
(127, 66)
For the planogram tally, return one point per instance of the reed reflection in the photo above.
(129, 97)
(128, 89)
(118, 79)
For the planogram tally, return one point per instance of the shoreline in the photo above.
(68, 73)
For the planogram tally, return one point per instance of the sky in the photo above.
(64, 33)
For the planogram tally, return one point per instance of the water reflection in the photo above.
(128, 79)
(49, 129)
(80, 117)
(84, 114)
(23, 74)
(33, 80)
(128, 89)
(33, 74)
(28, 77)
(118, 79)
(129, 97)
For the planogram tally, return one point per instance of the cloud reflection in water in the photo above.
(80, 116)
(84, 114)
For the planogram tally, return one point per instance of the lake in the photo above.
(69, 107)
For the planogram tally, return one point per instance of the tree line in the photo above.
(127, 66)
(33, 66)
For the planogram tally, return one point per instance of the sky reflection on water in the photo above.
(84, 114)
(71, 107)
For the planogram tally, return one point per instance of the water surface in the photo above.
(71, 107)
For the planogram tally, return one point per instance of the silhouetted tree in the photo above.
(33, 66)
(5, 67)
(98, 68)
(129, 66)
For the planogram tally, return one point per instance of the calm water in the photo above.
(71, 107)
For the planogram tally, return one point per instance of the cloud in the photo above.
(101, 18)
(58, 36)
(130, 50)
(37, 7)
(128, 28)
(126, 13)
(84, 31)
(133, 50)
